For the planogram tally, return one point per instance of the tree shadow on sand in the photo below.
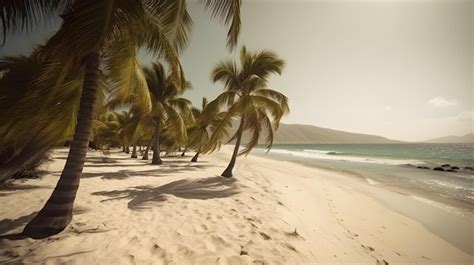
(7, 225)
(200, 189)
(7, 188)
(96, 159)
(159, 171)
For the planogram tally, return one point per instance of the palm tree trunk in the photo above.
(147, 150)
(195, 157)
(57, 212)
(134, 151)
(228, 171)
(184, 151)
(156, 146)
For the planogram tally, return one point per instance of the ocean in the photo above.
(407, 167)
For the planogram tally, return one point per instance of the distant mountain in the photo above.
(468, 138)
(309, 134)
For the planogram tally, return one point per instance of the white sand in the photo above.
(181, 213)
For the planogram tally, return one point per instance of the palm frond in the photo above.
(128, 83)
(24, 14)
(229, 12)
(220, 129)
(269, 105)
(225, 99)
(175, 123)
(174, 18)
(157, 43)
(261, 64)
(86, 26)
(228, 73)
(276, 96)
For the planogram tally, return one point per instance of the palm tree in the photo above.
(24, 134)
(147, 125)
(190, 121)
(105, 130)
(248, 98)
(129, 129)
(168, 110)
(98, 36)
(199, 133)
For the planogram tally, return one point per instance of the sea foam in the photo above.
(332, 155)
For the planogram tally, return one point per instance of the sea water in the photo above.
(394, 165)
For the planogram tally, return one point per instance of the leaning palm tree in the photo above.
(101, 37)
(168, 109)
(248, 98)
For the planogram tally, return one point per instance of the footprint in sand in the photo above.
(243, 250)
(265, 236)
(381, 262)
(253, 219)
(160, 253)
(290, 247)
(200, 228)
(352, 235)
(369, 248)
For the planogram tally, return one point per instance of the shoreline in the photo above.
(273, 212)
(447, 213)
(455, 205)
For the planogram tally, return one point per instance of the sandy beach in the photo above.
(272, 212)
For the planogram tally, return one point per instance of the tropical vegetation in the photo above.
(85, 88)
(247, 97)
(98, 41)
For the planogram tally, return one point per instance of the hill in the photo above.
(309, 134)
(468, 138)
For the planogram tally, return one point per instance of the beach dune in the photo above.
(272, 212)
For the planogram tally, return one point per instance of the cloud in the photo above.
(440, 102)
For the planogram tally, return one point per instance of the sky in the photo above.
(399, 69)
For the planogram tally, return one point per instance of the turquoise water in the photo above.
(394, 165)
(456, 154)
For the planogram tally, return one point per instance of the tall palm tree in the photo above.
(102, 35)
(168, 109)
(248, 98)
